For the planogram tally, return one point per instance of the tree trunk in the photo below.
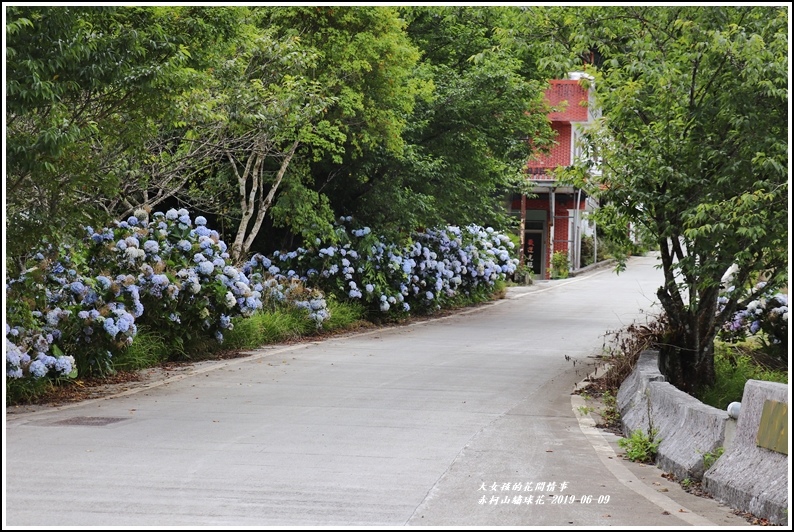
(247, 199)
(686, 354)
(264, 204)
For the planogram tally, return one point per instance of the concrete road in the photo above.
(466, 420)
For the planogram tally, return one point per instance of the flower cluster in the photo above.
(28, 353)
(165, 272)
(766, 317)
(431, 270)
(179, 271)
(280, 290)
(51, 300)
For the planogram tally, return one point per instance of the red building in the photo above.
(554, 219)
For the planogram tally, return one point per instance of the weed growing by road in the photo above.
(640, 447)
(709, 457)
(610, 413)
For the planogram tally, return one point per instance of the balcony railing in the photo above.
(539, 174)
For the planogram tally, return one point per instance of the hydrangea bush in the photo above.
(76, 306)
(766, 318)
(46, 305)
(281, 290)
(90, 299)
(433, 269)
(179, 272)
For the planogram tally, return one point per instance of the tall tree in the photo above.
(365, 63)
(182, 147)
(271, 108)
(84, 85)
(694, 144)
(466, 139)
(317, 86)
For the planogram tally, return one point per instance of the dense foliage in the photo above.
(77, 306)
(436, 268)
(83, 303)
(271, 122)
(693, 144)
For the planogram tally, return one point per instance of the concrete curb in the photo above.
(746, 477)
(632, 398)
(685, 427)
(591, 267)
(688, 429)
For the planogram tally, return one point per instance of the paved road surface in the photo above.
(440, 423)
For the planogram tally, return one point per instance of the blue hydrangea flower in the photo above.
(124, 323)
(103, 282)
(206, 267)
(37, 369)
(110, 327)
(63, 365)
(151, 246)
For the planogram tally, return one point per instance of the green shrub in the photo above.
(640, 447)
(732, 370)
(560, 265)
(710, 457)
(591, 247)
(524, 275)
(610, 412)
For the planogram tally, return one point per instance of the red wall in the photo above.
(569, 95)
(560, 154)
(571, 98)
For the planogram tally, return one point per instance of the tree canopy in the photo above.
(275, 120)
(693, 140)
(87, 89)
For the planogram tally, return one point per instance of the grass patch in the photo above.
(148, 349)
(343, 315)
(709, 458)
(26, 391)
(268, 327)
(281, 325)
(640, 447)
(245, 334)
(733, 367)
(610, 413)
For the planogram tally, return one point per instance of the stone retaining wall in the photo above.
(746, 477)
